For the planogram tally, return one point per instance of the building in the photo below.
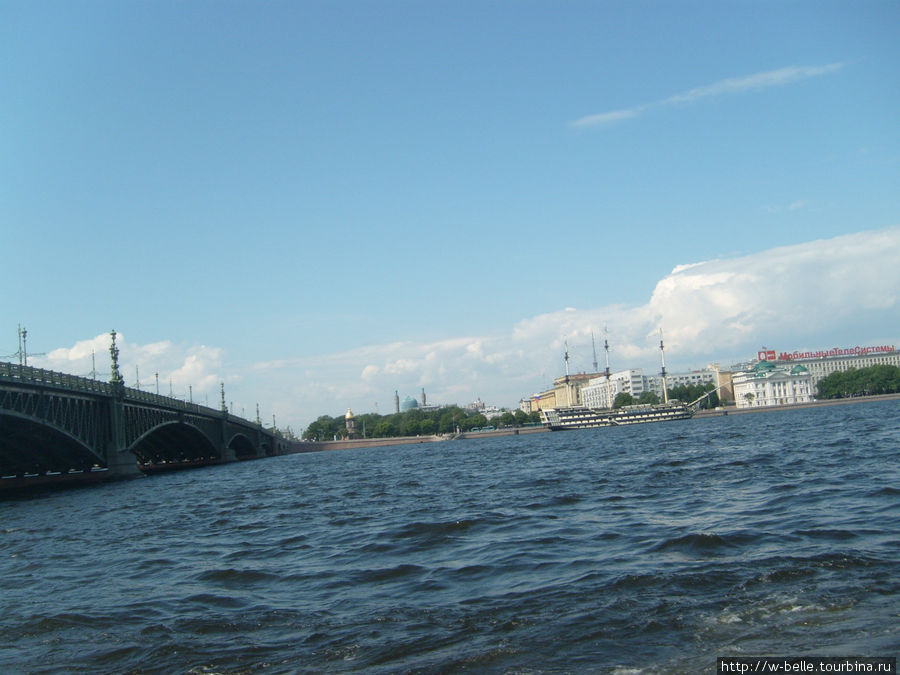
(599, 394)
(768, 384)
(820, 364)
(635, 383)
(691, 378)
(408, 403)
(542, 400)
(350, 423)
(566, 392)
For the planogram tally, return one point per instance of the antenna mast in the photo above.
(568, 391)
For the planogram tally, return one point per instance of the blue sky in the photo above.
(321, 202)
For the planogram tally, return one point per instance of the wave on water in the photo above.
(645, 549)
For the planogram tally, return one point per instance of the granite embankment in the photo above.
(349, 444)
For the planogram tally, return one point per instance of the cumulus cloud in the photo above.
(185, 371)
(807, 296)
(716, 310)
(731, 85)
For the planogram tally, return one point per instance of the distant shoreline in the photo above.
(324, 446)
(721, 412)
(349, 444)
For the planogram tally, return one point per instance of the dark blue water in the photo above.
(645, 549)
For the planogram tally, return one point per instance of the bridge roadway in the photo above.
(56, 427)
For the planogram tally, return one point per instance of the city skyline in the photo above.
(695, 302)
(319, 204)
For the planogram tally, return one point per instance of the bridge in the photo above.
(56, 427)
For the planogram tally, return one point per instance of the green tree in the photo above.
(384, 429)
(410, 426)
(472, 422)
(622, 399)
(325, 428)
(446, 424)
(649, 397)
(881, 379)
(692, 392)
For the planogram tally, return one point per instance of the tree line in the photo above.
(687, 393)
(413, 422)
(868, 381)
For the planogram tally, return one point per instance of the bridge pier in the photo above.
(122, 464)
(119, 461)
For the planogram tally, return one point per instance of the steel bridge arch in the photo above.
(242, 445)
(35, 446)
(174, 441)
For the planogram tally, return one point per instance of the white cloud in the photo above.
(610, 117)
(737, 85)
(810, 295)
(185, 371)
(732, 85)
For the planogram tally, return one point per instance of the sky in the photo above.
(322, 203)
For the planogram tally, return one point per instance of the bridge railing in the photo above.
(12, 372)
(141, 396)
(167, 401)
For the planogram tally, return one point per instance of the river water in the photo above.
(645, 549)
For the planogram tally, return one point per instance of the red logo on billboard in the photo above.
(766, 355)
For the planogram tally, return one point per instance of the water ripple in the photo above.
(649, 549)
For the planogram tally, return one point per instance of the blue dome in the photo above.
(409, 403)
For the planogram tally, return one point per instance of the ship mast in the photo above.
(662, 355)
(568, 392)
(609, 403)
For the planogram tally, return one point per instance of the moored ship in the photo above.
(579, 417)
(583, 417)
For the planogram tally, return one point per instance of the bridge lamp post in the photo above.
(115, 376)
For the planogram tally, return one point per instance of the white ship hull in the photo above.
(578, 417)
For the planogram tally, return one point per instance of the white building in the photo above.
(594, 393)
(686, 379)
(767, 384)
(634, 382)
(820, 364)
